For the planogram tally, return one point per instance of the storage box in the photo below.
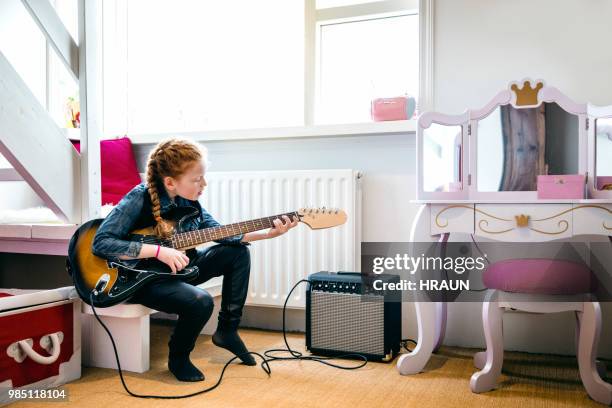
(40, 339)
(564, 186)
(399, 108)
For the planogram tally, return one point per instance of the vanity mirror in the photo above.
(515, 145)
(497, 152)
(442, 158)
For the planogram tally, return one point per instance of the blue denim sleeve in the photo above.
(109, 241)
(207, 221)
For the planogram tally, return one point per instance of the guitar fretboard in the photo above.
(192, 238)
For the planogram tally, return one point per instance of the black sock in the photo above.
(183, 369)
(229, 340)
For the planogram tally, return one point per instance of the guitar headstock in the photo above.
(319, 218)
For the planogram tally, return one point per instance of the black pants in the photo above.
(194, 305)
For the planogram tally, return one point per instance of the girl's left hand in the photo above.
(281, 227)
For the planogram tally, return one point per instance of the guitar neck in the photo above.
(192, 238)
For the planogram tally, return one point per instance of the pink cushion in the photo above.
(119, 170)
(542, 276)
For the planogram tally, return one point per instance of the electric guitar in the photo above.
(113, 282)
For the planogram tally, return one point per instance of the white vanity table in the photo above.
(477, 175)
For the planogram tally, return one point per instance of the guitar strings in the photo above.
(148, 239)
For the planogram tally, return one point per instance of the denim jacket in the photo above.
(134, 212)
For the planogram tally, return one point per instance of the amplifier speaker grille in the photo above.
(343, 321)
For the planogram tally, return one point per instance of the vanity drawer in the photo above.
(452, 218)
(524, 222)
(594, 219)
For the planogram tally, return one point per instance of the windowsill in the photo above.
(353, 129)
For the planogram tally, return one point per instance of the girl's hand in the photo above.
(281, 227)
(175, 259)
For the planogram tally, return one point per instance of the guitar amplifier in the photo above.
(342, 319)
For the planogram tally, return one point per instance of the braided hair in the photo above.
(169, 158)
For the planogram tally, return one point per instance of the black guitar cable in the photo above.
(295, 355)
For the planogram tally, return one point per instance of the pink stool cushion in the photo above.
(541, 276)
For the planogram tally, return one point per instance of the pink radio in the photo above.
(565, 186)
(399, 108)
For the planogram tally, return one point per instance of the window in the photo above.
(194, 66)
(188, 65)
(362, 60)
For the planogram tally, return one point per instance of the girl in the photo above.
(175, 178)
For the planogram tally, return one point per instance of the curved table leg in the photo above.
(485, 379)
(600, 365)
(431, 332)
(415, 361)
(588, 339)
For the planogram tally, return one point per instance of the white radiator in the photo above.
(277, 264)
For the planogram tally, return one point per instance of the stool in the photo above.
(541, 286)
(129, 324)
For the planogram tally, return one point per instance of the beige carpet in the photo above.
(529, 380)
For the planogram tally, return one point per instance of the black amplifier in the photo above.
(343, 316)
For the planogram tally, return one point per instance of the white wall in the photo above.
(482, 45)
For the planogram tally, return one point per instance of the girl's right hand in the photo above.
(175, 259)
